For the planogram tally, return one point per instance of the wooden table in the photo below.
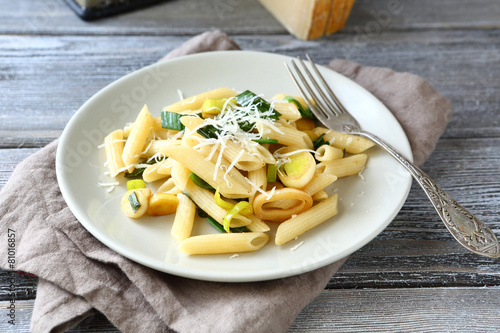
(413, 276)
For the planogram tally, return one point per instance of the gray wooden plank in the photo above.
(189, 17)
(402, 310)
(47, 78)
(373, 310)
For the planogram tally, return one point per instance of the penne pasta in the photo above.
(318, 183)
(113, 144)
(286, 135)
(158, 147)
(205, 200)
(224, 243)
(296, 226)
(352, 144)
(183, 223)
(259, 156)
(344, 167)
(137, 139)
(195, 102)
(231, 182)
(328, 153)
(155, 172)
(288, 110)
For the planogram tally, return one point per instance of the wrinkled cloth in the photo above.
(78, 274)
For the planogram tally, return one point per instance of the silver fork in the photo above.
(468, 230)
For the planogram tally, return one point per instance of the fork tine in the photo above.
(328, 101)
(314, 108)
(338, 104)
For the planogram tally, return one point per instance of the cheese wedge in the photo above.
(310, 19)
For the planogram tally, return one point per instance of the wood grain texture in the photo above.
(413, 277)
(240, 17)
(373, 310)
(48, 78)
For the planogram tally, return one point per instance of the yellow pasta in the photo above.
(232, 183)
(183, 223)
(328, 153)
(195, 102)
(137, 138)
(205, 200)
(114, 150)
(288, 110)
(319, 182)
(344, 167)
(259, 156)
(224, 243)
(154, 172)
(296, 226)
(352, 144)
(286, 135)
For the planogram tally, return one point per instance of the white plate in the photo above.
(367, 204)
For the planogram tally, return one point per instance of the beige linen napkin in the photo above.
(78, 274)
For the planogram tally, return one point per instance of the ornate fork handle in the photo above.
(468, 230)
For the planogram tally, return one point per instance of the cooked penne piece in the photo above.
(258, 180)
(231, 151)
(285, 134)
(169, 187)
(347, 166)
(307, 220)
(195, 102)
(231, 183)
(206, 201)
(318, 183)
(268, 208)
(113, 143)
(183, 223)
(165, 167)
(224, 243)
(297, 98)
(158, 130)
(320, 195)
(327, 153)
(180, 175)
(352, 144)
(157, 147)
(257, 224)
(152, 173)
(137, 139)
(288, 110)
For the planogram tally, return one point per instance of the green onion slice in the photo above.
(242, 207)
(200, 182)
(305, 112)
(134, 201)
(272, 171)
(135, 184)
(171, 120)
(320, 140)
(219, 227)
(220, 202)
(263, 140)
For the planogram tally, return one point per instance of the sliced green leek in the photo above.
(320, 140)
(200, 182)
(171, 120)
(134, 201)
(242, 207)
(305, 112)
(220, 228)
(220, 202)
(272, 171)
(135, 184)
